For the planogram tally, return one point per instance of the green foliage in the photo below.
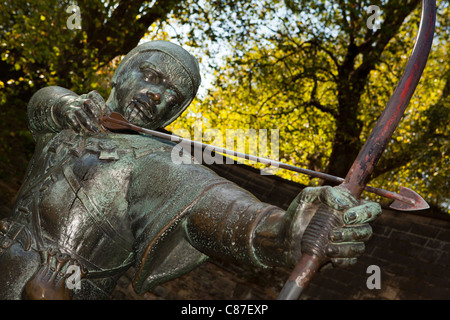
(315, 72)
(312, 70)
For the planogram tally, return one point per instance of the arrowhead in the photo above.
(419, 202)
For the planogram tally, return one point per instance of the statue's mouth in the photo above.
(140, 108)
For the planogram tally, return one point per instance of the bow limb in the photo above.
(365, 162)
(316, 234)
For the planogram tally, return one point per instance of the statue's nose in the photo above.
(156, 97)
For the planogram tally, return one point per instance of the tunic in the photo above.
(111, 201)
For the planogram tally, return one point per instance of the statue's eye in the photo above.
(151, 76)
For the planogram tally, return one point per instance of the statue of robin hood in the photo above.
(103, 202)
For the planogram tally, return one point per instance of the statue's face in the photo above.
(151, 90)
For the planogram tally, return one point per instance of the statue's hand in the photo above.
(345, 243)
(84, 113)
(49, 281)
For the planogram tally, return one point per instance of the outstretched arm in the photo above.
(175, 206)
(225, 223)
(236, 225)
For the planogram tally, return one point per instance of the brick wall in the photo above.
(410, 249)
(412, 252)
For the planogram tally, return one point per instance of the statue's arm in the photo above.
(222, 220)
(44, 108)
(231, 223)
(52, 109)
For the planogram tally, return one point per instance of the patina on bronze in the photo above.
(107, 201)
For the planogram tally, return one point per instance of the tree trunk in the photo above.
(346, 143)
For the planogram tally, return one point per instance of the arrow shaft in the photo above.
(270, 162)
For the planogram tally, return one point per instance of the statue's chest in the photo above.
(74, 175)
(75, 182)
(83, 193)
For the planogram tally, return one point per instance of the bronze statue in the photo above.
(104, 201)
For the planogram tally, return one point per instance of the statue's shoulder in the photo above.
(113, 146)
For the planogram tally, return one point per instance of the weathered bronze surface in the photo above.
(105, 201)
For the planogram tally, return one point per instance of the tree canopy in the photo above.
(312, 70)
(317, 73)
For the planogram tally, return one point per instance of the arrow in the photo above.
(315, 237)
(406, 200)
